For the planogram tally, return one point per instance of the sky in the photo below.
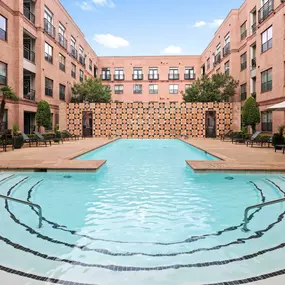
(149, 27)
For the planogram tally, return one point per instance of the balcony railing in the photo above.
(49, 28)
(3, 35)
(73, 74)
(29, 15)
(243, 65)
(119, 77)
(73, 52)
(189, 76)
(137, 76)
(62, 41)
(253, 28)
(62, 67)
(106, 77)
(218, 59)
(48, 91)
(29, 55)
(3, 80)
(82, 60)
(29, 94)
(266, 86)
(173, 76)
(253, 63)
(243, 35)
(48, 58)
(265, 11)
(153, 77)
(226, 49)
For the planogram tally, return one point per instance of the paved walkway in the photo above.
(56, 157)
(237, 157)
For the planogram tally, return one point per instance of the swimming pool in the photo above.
(144, 218)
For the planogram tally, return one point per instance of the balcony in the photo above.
(29, 15)
(226, 49)
(62, 41)
(62, 67)
(106, 77)
(29, 55)
(189, 76)
(218, 59)
(119, 77)
(265, 11)
(82, 60)
(253, 63)
(153, 77)
(137, 76)
(73, 52)
(29, 94)
(173, 76)
(49, 28)
(243, 65)
(253, 28)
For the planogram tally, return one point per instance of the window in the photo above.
(3, 73)
(266, 40)
(137, 74)
(61, 62)
(81, 75)
(208, 63)
(48, 15)
(253, 56)
(227, 46)
(266, 121)
(173, 73)
(218, 57)
(119, 74)
(266, 10)
(227, 68)
(90, 65)
(48, 23)
(253, 21)
(81, 56)
(119, 89)
(243, 61)
(173, 89)
(73, 70)
(48, 53)
(48, 87)
(3, 28)
(137, 88)
(61, 92)
(266, 80)
(61, 36)
(106, 74)
(153, 89)
(73, 47)
(153, 73)
(189, 73)
(243, 93)
(243, 32)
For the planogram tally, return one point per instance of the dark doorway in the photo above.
(87, 123)
(29, 122)
(211, 124)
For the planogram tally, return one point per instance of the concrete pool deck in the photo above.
(54, 158)
(236, 157)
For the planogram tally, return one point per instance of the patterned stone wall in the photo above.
(149, 120)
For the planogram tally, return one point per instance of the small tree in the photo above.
(250, 113)
(219, 88)
(43, 116)
(91, 91)
(7, 94)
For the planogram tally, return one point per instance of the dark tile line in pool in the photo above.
(277, 186)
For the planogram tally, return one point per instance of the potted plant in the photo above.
(17, 139)
(278, 138)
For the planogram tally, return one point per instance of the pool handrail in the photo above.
(26, 203)
(269, 203)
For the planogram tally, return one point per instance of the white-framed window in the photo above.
(173, 73)
(153, 73)
(243, 31)
(266, 80)
(3, 73)
(153, 89)
(227, 38)
(137, 88)
(119, 89)
(189, 73)
(48, 52)
(73, 42)
(119, 73)
(227, 67)
(61, 29)
(48, 15)
(173, 89)
(266, 40)
(3, 28)
(137, 73)
(218, 48)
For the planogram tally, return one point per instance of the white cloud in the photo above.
(172, 50)
(214, 24)
(108, 3)
(111, 41)
(85, 6)
(199, 24)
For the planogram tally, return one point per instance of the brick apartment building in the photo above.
(43, 53)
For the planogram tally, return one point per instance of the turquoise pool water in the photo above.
(144, 218)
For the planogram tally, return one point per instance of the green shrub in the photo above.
(264, 137)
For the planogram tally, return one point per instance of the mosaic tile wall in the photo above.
(149, 120)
